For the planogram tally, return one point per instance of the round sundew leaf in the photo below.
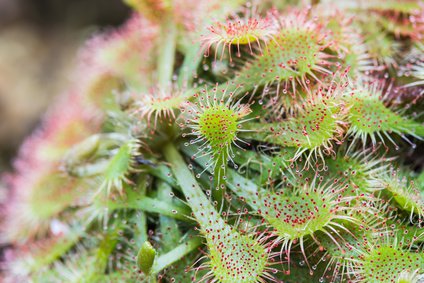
(235, 258)
(215, 123)
(297, 215)
(313, 127)
(384, 264)
(310, 130)
(252, 30)
(292, 55)
(369, 116)
(218, 125)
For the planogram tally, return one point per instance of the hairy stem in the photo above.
(171, 235)
(191, 189)
(219, 182)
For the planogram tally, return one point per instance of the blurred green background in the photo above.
(39, 41)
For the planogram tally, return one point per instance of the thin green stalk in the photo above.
(191, 189)
(246, 188)
(219, 182)
(163, 173)
(148, 204)
(171, 234)
(217, 191)
(176, 254)
(102, 254)
(191, 62)
(141, 229)
(167, 47)
(140, 216)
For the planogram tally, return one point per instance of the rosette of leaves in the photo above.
(229, 141)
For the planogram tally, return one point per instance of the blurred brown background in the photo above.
(39, 40)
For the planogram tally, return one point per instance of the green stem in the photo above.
(105, 248)
(148, 204)
(219, 182)
(191, 62)
(219, 173)
(171, 234)
(241, 186)
(163, 173)
(107, 245)
(167, 47)
(197, 200)
(176, 254)
(140, 230)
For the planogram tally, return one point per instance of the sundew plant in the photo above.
(233, 142)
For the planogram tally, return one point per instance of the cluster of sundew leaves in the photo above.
(230, 142)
